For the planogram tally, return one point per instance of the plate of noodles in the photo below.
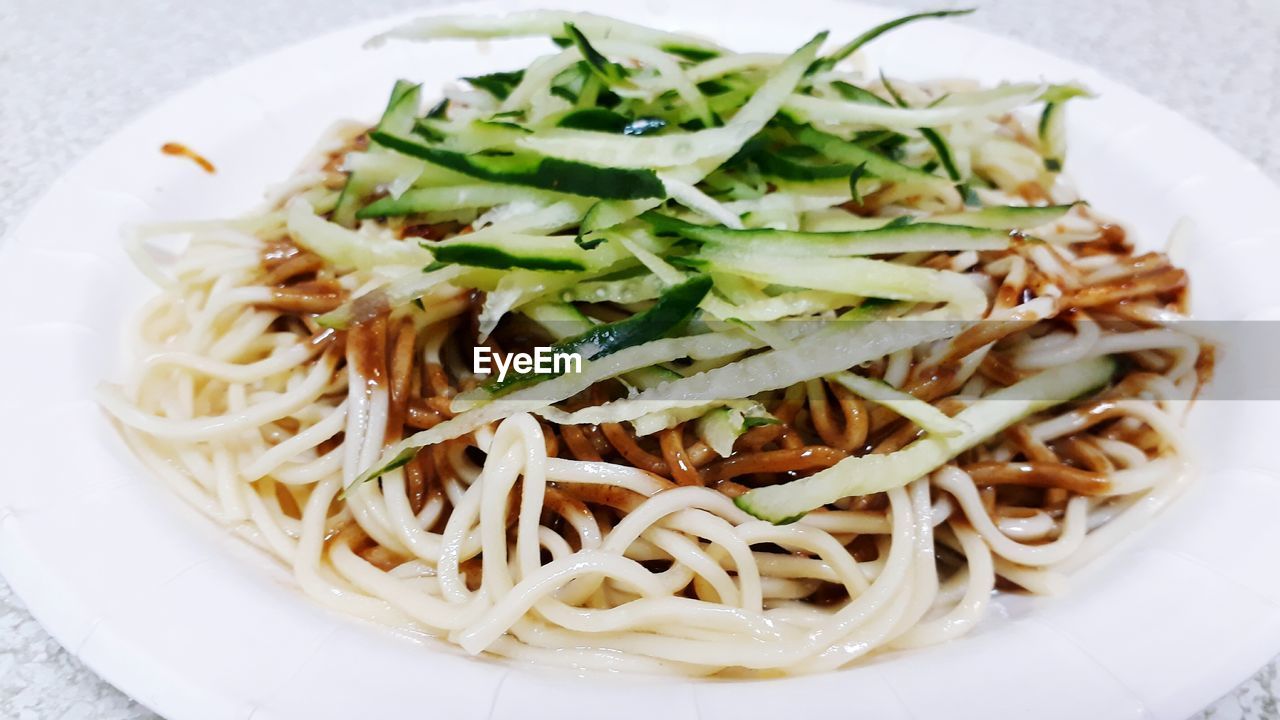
(505, 362)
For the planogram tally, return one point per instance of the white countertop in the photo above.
(72, 72)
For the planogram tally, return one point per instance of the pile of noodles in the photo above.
(592, 546)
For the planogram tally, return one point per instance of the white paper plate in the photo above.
(195, 624)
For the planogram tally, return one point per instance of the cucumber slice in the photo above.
(533, 170)
(869, 474)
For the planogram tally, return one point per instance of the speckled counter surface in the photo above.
(72, 72)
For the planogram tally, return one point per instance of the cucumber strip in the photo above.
(497, 84)
(844, 345)
(530, 252)
(853, 45)
(875, 164)
(928, 417)
(543, 82)
(516, 287)
(797, 202)
(1010, 217)
(667, 419)
(733, 64)
(345, 248)
(631, 151)
(594, 119)
(838, 220)
(671, 76)
(914, 237)
(563, 321)
(597, 119)
(853, 93)
(395, 294)
(650, 377)
(691, 197)
(457, 197)
(775, 165)
(793, 304)
(626, 290)
(672, 310)
(667, 150)
(854, 276)
(1052, 128)
(943, 151)
(689, 53)
(971, 106)
(560, 319)
(536, 171)
(536, 398)
(720, 429)
(400, 172)
(757, 111)
(940, 147)
(869, 474)
(535, 23)
(470, 136)
(610, 73)
(398, 116)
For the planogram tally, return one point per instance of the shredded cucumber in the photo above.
(757, 111)
(655, 202)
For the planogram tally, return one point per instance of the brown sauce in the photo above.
(180, 150)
